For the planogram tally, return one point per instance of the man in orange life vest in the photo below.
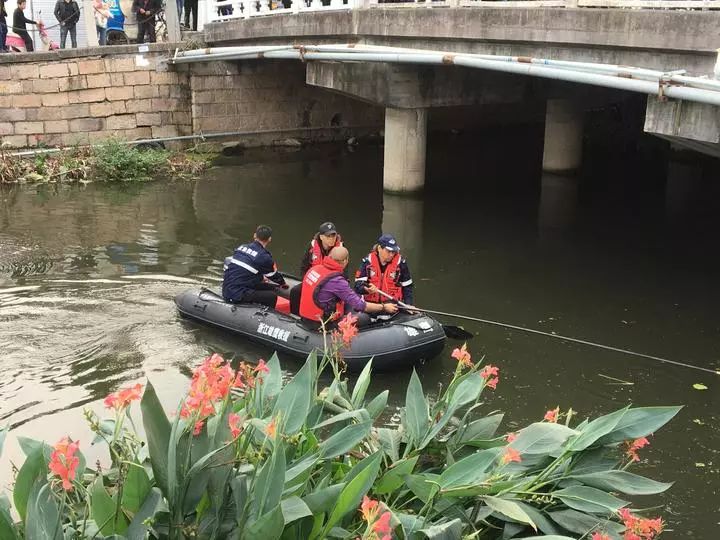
(384, 269)
(327, 295)
(321, 244)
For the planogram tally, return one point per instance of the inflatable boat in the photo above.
(402, 340)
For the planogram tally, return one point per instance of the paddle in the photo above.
(453, 332)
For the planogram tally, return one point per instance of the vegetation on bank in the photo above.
(248, 455)
(110, 161)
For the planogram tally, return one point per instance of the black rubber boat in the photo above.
(401, 341)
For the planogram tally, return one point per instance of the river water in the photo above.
(627, 256)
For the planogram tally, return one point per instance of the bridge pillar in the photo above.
(563, 136)
(405, 137)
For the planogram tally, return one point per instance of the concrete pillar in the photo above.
(403, 217)
(557, 208)
(563, 136)
(405, 137)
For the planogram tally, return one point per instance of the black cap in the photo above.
(263, 232)
(327, 228)
(388, 242)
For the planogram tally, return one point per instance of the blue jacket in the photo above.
(245, 270)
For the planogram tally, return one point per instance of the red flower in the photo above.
(262, 367)
(637, 528)
(599, 536)
(64, 462)
(198, 427)
(510, 437)
(235, 423)
(369, 509)
(552, 415)
(511, 455)
(382, 525)
(123, 397)
(348, 328)
(462, 356)
(634, 446)
(487, 373)
(210, 384)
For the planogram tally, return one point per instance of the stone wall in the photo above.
(76, 97)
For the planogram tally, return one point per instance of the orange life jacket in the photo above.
(316, 250)
(314, 278)
(386, 281)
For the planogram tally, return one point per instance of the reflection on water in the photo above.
(615, 255)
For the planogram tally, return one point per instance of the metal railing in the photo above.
(226, 10)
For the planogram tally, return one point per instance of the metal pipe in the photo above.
(519, 67)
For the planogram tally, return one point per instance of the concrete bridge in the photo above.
(679, 39)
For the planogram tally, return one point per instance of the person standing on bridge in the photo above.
(3, 27)
(67, 13)
(146, 11)
(19, 22)
(250, 274)
(384, 269)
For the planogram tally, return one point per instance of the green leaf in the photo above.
(416, 410)
(640, 422)
(344, 440)
(272, 382)
(450, 530)
(377, 405)
(510, 509)
(3, 434)
(481, 429)
(240, 496)
(268, 527)
(136, 488)
(7, 527)
(622, 482)
(157, 430)
(389, 440)
(581, 523)
(299, 467)
(42, 521)
(596, 429)
(361, 386)
(393, 477)
(542, 438)
(347, 415)
(293, 403)
(470, 470)
(322, 500)
(102, 510)
(539, 518)
(588, 499)
(294, 508)
(424, 486)
(137, 529)
(34, 468)
(270, 482)
(353, 491)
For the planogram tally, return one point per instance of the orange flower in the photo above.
(369, 509)
(235, 422)
(511, 455)
(510, 437)
(210, 384)
(348, 328)
(599, 536)
(64, 462)
(123, 397)
(382, 525)
(271, 429)
(634, 446)
(552, 415)
(462, 355)
(640, 528)
(487, 373)
(262, 367)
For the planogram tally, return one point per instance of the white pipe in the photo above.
(704, 91)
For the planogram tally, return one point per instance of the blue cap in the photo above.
(388, 242)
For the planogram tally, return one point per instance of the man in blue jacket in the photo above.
(251, 274)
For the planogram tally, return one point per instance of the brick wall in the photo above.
(75, 97)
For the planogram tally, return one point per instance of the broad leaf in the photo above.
(294, 508)
(136, 488)
(424, 486)
(539, 518)
(360, 414)
(377, 405)
(510, 509)
(322, 500)
(623, 482)
(588, 499)
(344, 440)
(361, 386)
(7, 527)
(393, 477)
(43, 520)
(580, 523)
(541, 438)
(103, 510)
(596, 429)
(157, 430)
(640, 422)
(481, 429)
(34, 468)
(268, 527)
(240, 496)
(272, 382)
(450, 530)
(270, 482)
(470, 470)
(416, 410)
(293, 403)
(390, 440)
(137, 529)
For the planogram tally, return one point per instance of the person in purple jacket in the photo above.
(326, 293)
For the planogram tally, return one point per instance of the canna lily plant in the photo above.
(250, 456)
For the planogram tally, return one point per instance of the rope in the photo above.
(575, 340)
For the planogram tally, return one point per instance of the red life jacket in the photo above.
(386, 281)
(314, 278)
(316, 250)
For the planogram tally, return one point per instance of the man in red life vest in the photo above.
(327, 295)
(321, 244)
(384, 269)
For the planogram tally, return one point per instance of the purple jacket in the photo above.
(338, 288)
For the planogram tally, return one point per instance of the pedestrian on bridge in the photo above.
(3, 26)
(146, 11)
(19, 22)
(67, 13)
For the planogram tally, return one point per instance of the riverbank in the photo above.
(111, 161)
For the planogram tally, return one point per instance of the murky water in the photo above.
(628, 257)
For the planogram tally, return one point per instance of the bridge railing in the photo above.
(226, 10)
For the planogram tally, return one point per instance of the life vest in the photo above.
(314, 279)
(316, 250)
(386, 281)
